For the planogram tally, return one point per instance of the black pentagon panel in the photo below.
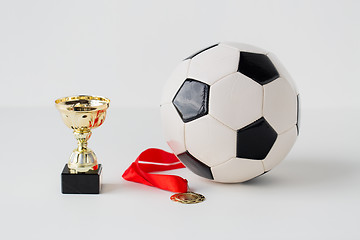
(255, 140)
(298, 114)
(258, 67)
(197, 53)
(195, 165)
(192, 100)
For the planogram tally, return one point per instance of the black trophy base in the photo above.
(81, 183)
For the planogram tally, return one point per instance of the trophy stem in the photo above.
(82, 137)
(82, 159)
(82, 145)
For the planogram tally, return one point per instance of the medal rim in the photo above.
(199, 198)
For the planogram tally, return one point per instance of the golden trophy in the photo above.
(82, 114)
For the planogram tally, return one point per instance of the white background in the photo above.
(125, 50)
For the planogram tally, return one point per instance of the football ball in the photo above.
(230, 112)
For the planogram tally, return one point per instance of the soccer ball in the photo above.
(230, 112)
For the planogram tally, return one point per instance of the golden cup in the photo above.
(82, 114)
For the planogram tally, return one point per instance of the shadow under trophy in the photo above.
(82, 174)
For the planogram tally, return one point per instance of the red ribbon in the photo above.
(155, 160)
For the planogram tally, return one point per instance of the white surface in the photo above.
(173, 128)
(126, 50)
(282, 146)
(244, 47)
(59, 48)
(283, 72)
(214, 64)
(210, 141)
(280, 105)
(174, 82)
(233, 96)
(237, 170)
(313, 194)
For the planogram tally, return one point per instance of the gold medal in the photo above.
(188, 198)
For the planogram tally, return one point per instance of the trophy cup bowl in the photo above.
(82, 114)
